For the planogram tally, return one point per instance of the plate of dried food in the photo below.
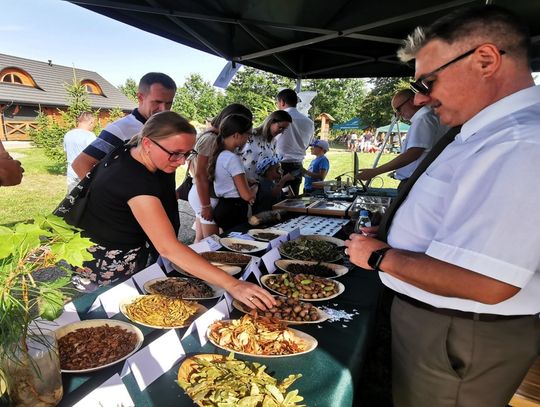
(232, 270)
(259, 336)
(289, 310)
(319, 269)
(243, 245)
(227, 259)
(303, 286)
(211, 379)
(161, 312)
(311, 249)
(335, 240)
(186, 288)
(266, 235)
(94, 344)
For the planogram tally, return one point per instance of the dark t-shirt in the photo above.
(265, 199)
(108, 219)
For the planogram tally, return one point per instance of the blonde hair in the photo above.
(161, 126)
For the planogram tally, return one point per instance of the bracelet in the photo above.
(206, 206)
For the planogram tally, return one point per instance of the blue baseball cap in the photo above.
(322, 144)
(265, 163)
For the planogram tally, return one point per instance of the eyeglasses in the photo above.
(397, 109)
(424, 87)
(174, 156)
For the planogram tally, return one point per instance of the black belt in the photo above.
(458, 314)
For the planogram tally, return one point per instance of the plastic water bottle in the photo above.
(363, 221)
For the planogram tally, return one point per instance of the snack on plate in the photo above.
(307, 249)
(266, 236)
(302, 286)
(159, 310)
(181, 288)
(290, 309)
(216, 380)
(256, 336)
(318, 269)
(86, 348)
(242, 247)
(226, 257)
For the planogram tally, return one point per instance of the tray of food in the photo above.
(161, 312)
(295, 205)
(289, 310)
(303, 286)
(186, 288)
(316, 268)
(266, 235)
(260, 336)
(211, 379)
(227, 258)
(308, 248)
(86, 346)
(242, 245)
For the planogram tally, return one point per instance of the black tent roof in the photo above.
(300, 38)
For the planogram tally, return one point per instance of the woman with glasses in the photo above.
(262, 143)
(128, 204)
(228, 172)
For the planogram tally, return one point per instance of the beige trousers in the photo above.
(442, 361)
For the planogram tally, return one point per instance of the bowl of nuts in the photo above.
(303, 286)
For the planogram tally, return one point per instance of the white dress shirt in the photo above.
(295, 139)
(476, 206)
(424, 133)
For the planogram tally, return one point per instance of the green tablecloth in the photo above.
(330, 373)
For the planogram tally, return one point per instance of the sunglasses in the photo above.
(424, 86)
(174, 156)
(397, 109)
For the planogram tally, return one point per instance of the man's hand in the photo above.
(365, 174)
(360, 248)
(287, 177)
(207, 213)
(11, 172)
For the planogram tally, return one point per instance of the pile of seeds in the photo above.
(290, 309)
(242, 247)
(86, 348)
(226, 257)
(266, 236)
(181, 288)
(313, 269)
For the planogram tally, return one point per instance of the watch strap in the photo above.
(376, 258)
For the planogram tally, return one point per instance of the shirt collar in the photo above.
(504, 107)
(138, 116)
(419, 112)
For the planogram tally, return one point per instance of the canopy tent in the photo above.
(353, 124)
(399, 126)
(302, 38)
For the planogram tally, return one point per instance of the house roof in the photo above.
(50, 80)
(301, 38)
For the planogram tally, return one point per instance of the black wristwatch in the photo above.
(376, 258)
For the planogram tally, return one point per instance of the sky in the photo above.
(73, 36)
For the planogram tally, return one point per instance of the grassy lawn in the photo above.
(43, 187)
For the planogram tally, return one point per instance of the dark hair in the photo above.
(275, 117)
(494, 23)
(233, 108)
(163, 125)
(230, 125)
(288, 96)
(156, 77)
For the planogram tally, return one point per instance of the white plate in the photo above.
(323, 316)
(92, 323)
(232, 270)
(341, 288)
(308, 339)
(217, 262)
(217, 291)
(228, 241)
(278, 232)
(126, 301)
(335, 240)
(338, 269)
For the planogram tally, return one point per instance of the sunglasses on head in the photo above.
(423, 86)
(175, 156)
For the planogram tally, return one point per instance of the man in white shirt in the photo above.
(75, 141)
(463, 252)
(293, 142)
(424, 132)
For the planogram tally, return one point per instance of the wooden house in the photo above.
(27, 86)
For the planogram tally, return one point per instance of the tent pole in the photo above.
(298, 85)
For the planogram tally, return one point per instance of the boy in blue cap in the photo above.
(319, 167)
(271, 183)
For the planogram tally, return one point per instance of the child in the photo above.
(271, 183)
(319, 167)
(228, 173)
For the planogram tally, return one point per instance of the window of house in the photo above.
(91, 87)
(16, 76)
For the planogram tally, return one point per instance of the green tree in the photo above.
(375, 109)
(197, 99)
(129, 88)
(257, 90)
